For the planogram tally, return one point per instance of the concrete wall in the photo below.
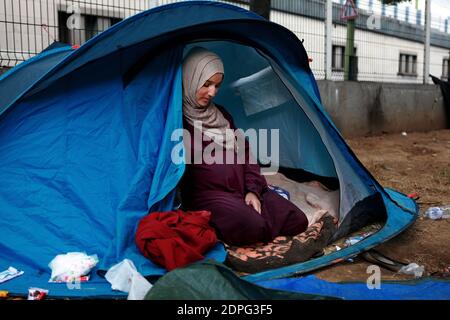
(370, 108)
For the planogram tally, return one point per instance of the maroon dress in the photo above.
(221, 189)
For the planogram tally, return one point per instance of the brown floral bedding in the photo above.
(283, 250)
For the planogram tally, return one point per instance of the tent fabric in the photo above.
(86, 142)
(217, 282)
(25, 74)
(168, 18)
(95, 166)
(57, 45)
(422, 289)
(97, 287)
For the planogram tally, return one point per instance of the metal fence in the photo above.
(29, 26)
(389, 40)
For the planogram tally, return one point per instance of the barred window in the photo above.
(338, 57)
(407, 64)
(445, 68)
(337, 60)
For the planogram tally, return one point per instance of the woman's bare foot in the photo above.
(320, 214)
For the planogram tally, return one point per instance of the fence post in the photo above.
(426, 58)
(349, 52)
(328, 38)
(448, 68)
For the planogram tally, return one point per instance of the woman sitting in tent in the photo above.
(243, 209)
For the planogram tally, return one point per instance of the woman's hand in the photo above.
(252, 200)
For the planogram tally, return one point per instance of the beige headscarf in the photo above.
(198, 66)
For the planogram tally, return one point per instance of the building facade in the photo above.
(389, 44)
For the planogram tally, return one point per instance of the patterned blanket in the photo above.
(283, 250)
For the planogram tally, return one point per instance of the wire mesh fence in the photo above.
(388, 45)
(29, 26)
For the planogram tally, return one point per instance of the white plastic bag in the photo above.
(71, 266)
(437, 213)
(413, 269)
(125, 277)
(9, 274)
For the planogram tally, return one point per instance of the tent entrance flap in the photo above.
(261, 95)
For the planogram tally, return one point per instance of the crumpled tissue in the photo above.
(125, 277)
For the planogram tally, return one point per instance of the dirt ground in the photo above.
(416, 162)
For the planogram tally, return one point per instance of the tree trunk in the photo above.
(261, 7)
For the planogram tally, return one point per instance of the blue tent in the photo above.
(417, 289)
(85, 139)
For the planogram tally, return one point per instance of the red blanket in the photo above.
(176, 238)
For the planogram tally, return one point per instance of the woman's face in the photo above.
(209, 89)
